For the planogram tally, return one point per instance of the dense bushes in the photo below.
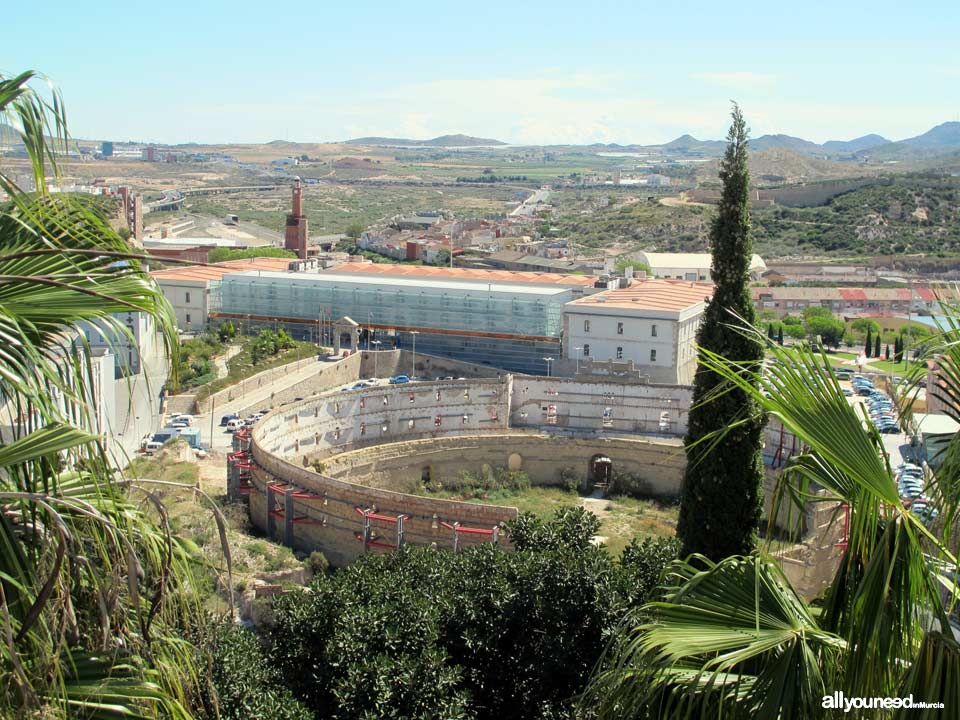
(196, 361)
(245, 685)
(478, 634)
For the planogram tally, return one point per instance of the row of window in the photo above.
(586, 328)
(384, 427)
(586, 352)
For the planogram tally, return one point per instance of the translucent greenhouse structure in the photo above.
(509, 326)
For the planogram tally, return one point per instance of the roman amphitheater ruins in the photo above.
(335, 471)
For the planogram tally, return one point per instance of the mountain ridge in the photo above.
(457, 140)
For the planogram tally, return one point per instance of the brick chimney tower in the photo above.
(296, 233)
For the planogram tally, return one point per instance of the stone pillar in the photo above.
(233, 480)
(288, 517)
(268, 524)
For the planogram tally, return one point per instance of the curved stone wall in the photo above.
(326, 470)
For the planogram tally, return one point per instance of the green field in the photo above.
(621, 518)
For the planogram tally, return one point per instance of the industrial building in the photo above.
(511, 326)
(690, 266)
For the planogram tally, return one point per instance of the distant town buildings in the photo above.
(847, 301)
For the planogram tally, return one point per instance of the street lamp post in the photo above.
(548, 360)
(413, 363)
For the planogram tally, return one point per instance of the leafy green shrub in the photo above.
(477, 634)
(318, 563)
(244, 683)
(626, 483)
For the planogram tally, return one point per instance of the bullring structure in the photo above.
(335, 472)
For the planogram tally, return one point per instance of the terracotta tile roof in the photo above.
(668, 295)
(217, 271)
(853, 294)
(475, 275)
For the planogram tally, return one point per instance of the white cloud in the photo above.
(742, 80)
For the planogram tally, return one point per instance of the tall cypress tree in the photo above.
(721, 497)
(876, 347)
(780, 334)
(770, 330)
(868, 346)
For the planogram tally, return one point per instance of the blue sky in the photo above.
(526, 72)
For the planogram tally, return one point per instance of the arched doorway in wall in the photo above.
(600, 471)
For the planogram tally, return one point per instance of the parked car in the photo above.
(178, 424)
(399, 380)
(358, 386)
(227, 418)
(235, 425)
(150, 447)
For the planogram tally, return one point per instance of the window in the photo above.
(619, 353)
(438, 421)
(410, 424)
(363, 428)
(653, 356)
(619, 328)
(188, 297)
(586, 350)
(653, 331)
(586, 326)
(188, 318)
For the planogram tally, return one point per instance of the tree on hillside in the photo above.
(354, 230)
(886, 354)
(898, 349)
(876, 347)
(770, 331)
(780, 335)
(868, 345)
(721, 495)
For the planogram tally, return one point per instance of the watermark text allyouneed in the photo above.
(839, 701)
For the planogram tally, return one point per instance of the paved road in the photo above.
(529, 206)
(252, 397)
(137, 406)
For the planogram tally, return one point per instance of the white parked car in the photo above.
(235, 425)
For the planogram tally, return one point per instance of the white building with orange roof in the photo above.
(651, 324)
(187, 287)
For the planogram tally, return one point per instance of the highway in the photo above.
(529, 206)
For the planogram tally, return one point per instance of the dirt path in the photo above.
(220, 362)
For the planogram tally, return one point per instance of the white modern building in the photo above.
(690, 266)
(650, 325)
